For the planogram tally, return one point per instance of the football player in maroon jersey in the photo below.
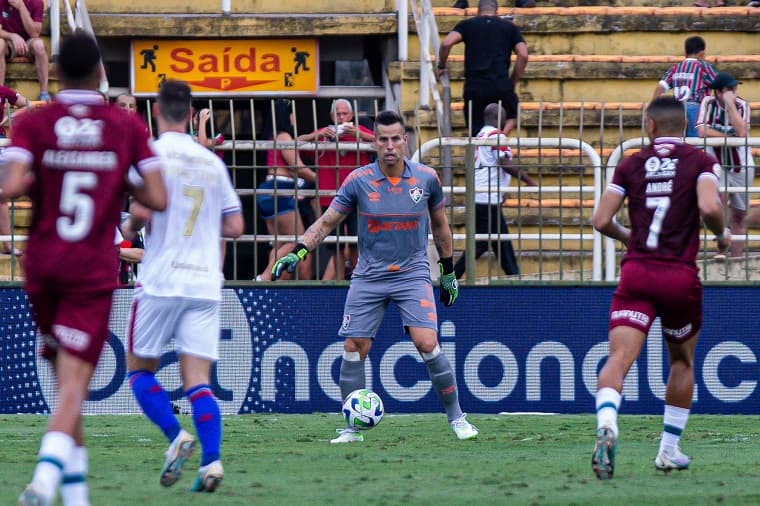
(668, 184)
(73, 159)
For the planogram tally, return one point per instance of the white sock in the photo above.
(55, 450)
(607, 405)
(74, 491)
(674, 422)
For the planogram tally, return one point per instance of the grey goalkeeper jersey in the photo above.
(393, 218)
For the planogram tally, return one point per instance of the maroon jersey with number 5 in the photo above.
(80, 150)
(660, 182)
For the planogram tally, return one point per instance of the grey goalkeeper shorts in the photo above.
(367, 300)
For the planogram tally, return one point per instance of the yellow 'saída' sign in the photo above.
(241, 67)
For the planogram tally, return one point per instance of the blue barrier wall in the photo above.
(514, 349)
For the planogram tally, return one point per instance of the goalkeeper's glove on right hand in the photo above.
(289, 261)
(449, 283)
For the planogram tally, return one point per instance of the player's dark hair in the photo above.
(174, 100)
(78, 59)
(494, 115)
(694, 45)
(387, 118)
(668, 114)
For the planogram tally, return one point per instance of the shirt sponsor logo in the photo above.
(78, 133)
(633, 316)
(72, 338)
(660, 168)
(416, 194)
(373, 197)
(375, 226)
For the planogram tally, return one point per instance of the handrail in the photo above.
(617, 154)
(547, 142)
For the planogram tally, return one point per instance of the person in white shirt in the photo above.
(177, 292)
(493, 171)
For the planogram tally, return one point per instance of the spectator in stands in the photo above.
(333, 166)
(286, 173)
(493, 170)
(20, 28)
(200, 132)
(690, 80)
(725, 114)
(13, 99)
(463, 4)
(130, 253)
(489, 43)
(127, 102)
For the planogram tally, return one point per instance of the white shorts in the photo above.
(193, 323)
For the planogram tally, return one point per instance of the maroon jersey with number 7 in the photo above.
(660, 182)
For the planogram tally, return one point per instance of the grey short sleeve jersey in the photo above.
(393, 217)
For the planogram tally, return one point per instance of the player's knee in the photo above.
(360, 346)
(426, 344)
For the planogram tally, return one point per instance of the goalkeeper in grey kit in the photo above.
(393, 198)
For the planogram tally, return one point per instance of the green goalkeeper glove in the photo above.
(289, 261)
(449, 284)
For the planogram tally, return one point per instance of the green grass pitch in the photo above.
(416, 459)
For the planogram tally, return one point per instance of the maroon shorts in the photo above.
(71, 318)
(650, 288)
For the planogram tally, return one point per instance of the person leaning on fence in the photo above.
(668, 185)
(489, 43)
(493, 172)
(286, 173)
(398, 202)
(333, 166)
(15, 100)
(690, 81)
(726, 115)
(20, 29)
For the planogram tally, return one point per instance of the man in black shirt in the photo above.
(489, 43)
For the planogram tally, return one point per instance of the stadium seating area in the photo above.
(592, 67)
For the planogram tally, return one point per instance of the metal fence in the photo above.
(549, 227)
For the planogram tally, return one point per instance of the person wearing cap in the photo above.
(725, 114)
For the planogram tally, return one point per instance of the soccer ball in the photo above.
(363, 409)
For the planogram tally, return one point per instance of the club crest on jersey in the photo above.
(346, 321)
(416, 194)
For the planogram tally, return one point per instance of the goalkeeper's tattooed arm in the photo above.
(320, 229)
(439, 226)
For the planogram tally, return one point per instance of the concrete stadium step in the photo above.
(10, 268)
(239, 7)
(577, 3)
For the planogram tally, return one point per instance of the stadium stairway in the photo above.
(592, 68)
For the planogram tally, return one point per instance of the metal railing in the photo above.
(610, 245)
(470, 237)
(549, 221)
